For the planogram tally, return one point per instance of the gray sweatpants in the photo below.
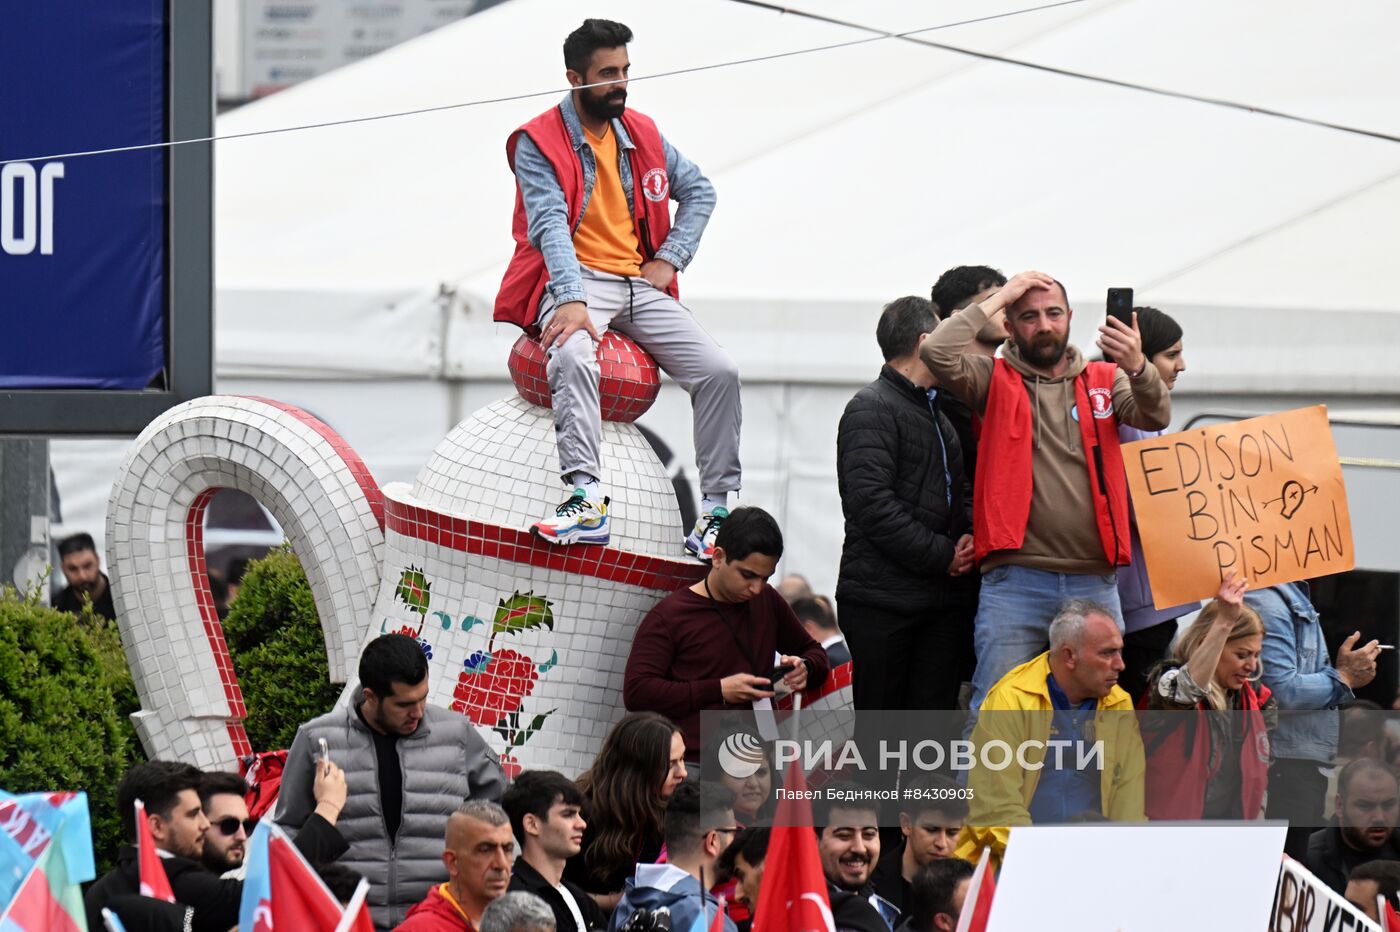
(681, 347)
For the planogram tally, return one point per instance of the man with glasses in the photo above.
(173, 795)
(224, 797)
(699, 825)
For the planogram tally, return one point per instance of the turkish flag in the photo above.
(300, 901)
(154, 881)
(718, 924)
(792, 897)
(977, 905)
(1390, 920)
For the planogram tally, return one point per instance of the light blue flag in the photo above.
(257, 880)
(29, 822)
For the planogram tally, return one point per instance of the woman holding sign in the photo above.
(1147, 630)
(1213, 764)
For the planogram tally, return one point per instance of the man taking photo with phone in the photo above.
(1050, 499)
(724, 642)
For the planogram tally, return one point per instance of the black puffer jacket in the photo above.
(900, 528)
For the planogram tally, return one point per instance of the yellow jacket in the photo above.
(1002, 798)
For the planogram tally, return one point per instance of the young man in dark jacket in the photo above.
(1368, 808)
(848, 841)
(908, 509)
(170, 793)
(546, 815)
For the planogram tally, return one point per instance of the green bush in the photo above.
(66, 697)
(279, 653)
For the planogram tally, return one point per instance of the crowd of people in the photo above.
(393, 791)
(991, 562)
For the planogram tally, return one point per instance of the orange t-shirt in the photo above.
(606, 238)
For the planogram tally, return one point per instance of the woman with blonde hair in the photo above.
(1207, 736)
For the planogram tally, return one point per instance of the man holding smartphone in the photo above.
(725, 642)
(408, 766)
(1050, 500)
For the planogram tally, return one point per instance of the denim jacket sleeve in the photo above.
(1293, 686)
(694, 194)
(547, 221)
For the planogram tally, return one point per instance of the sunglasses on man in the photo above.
(229, 825)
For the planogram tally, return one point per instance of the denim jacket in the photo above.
(1298, 670)
(547, 212)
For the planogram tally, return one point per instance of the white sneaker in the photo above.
(701, 540)
(575, 521)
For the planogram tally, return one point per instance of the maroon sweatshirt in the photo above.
(688, 643)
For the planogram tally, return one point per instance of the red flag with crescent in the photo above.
(793, 896)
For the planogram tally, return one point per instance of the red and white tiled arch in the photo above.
(316, 488)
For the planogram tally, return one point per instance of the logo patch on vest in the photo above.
(1101, 400)
(655, 185)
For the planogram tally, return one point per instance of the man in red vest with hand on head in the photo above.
(595, 248)
(1050, 500)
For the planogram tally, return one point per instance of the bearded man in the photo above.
(1050, 499)
(596, 248)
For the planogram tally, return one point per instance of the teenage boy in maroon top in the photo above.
(714, 644)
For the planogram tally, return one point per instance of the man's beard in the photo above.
(603, 103)
(852, 861)
(1042, 351)
(192, 849)
(221, 862)
(1357, 838)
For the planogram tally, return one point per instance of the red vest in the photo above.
(1179, 765)
(518, 301)
(1001, 502)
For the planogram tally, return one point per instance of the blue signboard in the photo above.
(82, 240)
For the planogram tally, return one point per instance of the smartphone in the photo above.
(780, 672)
(1120, 304)
(325, 754)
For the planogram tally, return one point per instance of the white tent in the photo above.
(356, 264)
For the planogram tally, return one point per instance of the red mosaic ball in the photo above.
(627, 384)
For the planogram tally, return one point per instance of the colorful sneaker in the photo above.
(701, 542)
(576, 521)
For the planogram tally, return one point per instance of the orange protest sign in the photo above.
(1262, 498)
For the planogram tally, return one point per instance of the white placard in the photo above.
(1303, 903)
(1138, 878)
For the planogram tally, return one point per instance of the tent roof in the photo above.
(850, 176)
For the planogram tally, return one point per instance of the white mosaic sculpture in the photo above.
(526, 639)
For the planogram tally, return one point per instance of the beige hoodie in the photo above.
(1061, 533)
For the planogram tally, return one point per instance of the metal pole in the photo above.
(24, 511)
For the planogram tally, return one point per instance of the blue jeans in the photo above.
(1014, 613)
